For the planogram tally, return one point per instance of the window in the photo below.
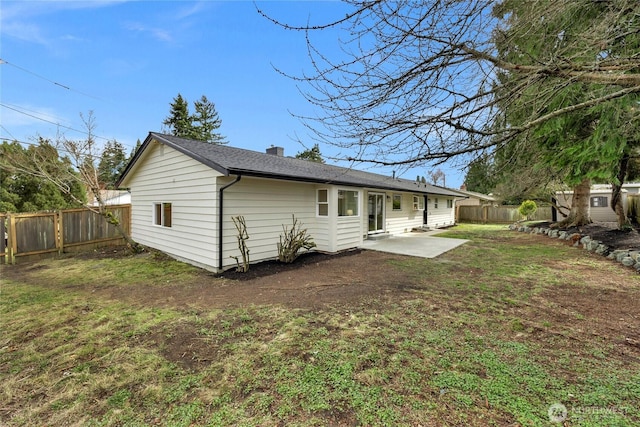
(599, 202)
(397, 202)
(421, 202)
(435, 203)
(416, 203)
(347, 203)
(449, 203)
(323, 202)
(162, 214)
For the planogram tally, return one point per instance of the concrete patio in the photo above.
(418, 244)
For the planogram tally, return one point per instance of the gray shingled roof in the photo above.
(237, 161)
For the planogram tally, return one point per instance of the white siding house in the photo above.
(599, 201)
(184, 194)
(186, 188)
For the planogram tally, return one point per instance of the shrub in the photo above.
(292, 241)
(528, 208)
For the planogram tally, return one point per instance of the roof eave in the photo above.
(258, 174)
(213, 165)
(157, 137)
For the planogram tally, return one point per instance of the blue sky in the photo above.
(127, 60)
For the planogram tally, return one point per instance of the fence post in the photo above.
(485, 214)
(60, 232)
(12, 240)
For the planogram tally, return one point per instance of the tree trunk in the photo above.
(579, 214)
(134, 246)
(616, 193)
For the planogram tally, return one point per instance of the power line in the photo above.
(3, 61)
(53, 123)
(7, 131)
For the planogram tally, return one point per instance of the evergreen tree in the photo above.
(312, 154)
(134, 150)
(201, 125)
(179, 121)
(480, 176)
(112, 163)
(584, 144)
(205, 121)
(22, 191)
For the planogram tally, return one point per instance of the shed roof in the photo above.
(480, 196)
(237, 161)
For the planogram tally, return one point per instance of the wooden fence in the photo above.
(498, 214)
(69, 230)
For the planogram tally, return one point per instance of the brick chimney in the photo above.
(276, 151)
(463, 187)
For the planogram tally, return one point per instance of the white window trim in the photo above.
(318, 202)
(358, 205)
(603, 201)
(162, 220)
(393, 198)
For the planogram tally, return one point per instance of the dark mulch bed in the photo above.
(268, 268)
(605, 232)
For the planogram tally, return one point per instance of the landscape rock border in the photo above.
(626, 257)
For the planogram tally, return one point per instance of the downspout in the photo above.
(220, 211)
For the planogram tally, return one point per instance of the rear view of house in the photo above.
(184, 194)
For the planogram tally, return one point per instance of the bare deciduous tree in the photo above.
(420, 81)
(437, 176)
(79, 167)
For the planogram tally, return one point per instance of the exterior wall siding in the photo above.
(601, 213)
(167, 176)
(348, 233)
(442, 216)
(267, 205)
(404, 220)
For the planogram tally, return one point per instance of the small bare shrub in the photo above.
(243, 236)
(292, 241)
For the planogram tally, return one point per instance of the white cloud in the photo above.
(24, 31)
(155, 32)
(189, 11)
(16, 17)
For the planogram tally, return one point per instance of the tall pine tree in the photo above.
(112, 163)
(205, 121)
(179, 121)
(201, 125)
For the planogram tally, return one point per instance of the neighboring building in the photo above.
(630, 187)
(113, 197)
(600, 200)
(474, 199)
(184, 194)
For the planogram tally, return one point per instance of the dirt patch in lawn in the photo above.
(315, 280)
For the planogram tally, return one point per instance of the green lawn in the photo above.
(492, 333)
